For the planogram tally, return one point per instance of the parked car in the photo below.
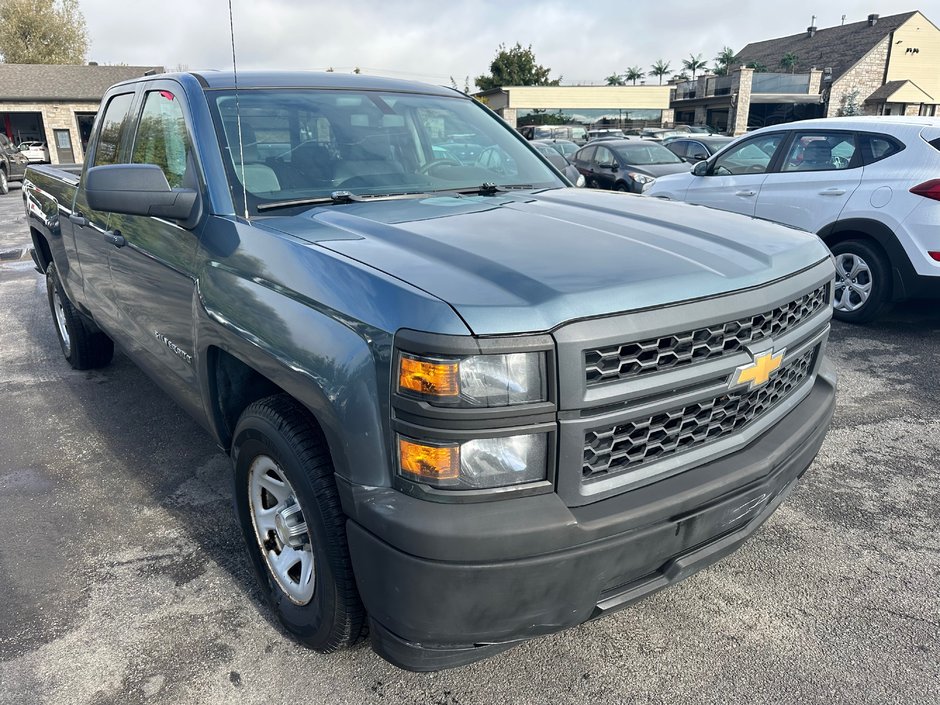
(605, 133)
(698, 129)
(12, 164)
(565, 148)
(866, 185)
(465, 405)
(696, 149)
(625, 165)
(559, 162)
(36, 152)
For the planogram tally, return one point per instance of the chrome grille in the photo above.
(628, 445)
(632, 359)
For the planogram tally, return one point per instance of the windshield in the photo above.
(303, 144)
(643, 153)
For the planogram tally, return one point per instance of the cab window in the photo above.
(161, 136)
(113, 125)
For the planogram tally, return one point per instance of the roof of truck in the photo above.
(314, 79)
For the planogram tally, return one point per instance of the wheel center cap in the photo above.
(290, 526)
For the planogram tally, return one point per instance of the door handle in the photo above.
(78, 219)
(832, 192)
(115, 238)
(745, 193)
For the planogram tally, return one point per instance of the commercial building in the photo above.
(591, 106)
(882, 65)
(57, 104)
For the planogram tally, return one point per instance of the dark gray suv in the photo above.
(12, 164)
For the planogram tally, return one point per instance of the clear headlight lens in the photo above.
(482, 463)
(642, 179)
(478, 380)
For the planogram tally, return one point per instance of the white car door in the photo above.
(814, 181)
(734, 178)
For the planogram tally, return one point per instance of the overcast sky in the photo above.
(431, 41)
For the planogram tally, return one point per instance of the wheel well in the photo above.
(234, 386)
(42, 248)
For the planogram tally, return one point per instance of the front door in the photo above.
(734, 180)
(63, 146)
(152, 267)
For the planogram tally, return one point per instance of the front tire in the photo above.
(862, 281)
(83, 346)
(289, 511)
(4, 183)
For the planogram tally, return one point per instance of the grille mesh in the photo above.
(617, 362)
(631, 444)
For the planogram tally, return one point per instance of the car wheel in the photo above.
(592, 183)
(861, 286)
(4, 184)
(289, 512)
(83, 346)
(622, 187)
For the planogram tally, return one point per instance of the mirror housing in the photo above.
(138, 189)
(700, 169)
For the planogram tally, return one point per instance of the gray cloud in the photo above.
(431, 41)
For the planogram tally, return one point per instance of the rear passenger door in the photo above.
(604, 167)
(819, 173)
(152, 271)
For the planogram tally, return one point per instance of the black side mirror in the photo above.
(137, 189)
(700, 169)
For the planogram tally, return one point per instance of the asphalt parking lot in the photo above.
(123, 578)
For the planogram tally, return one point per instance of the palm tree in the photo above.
(726, 57)
(660, 68)
(634, 73)
(693, 63)
(789, 61)
(757, 66)
(614, 79)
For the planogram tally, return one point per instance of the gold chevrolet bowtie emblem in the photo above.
(757, 373)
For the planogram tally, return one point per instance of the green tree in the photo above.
(788, 61)
(694, 63)
(849, 105)
(615, 79)
(515, 67)
(634, 73)
(42, 32)
(757, 66)
(660, 69)
(724, 61)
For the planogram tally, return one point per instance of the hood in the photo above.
(658, 170)
(526, 262)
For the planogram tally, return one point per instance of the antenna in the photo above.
(843, 20)
(238, 115)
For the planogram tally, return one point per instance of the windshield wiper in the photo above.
(339, 198)
(490, 189)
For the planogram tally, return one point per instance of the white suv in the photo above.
(868, 186)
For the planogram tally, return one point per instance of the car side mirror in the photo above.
(700, 169)
(137, 189)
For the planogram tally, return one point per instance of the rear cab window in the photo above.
(875, 147)
(113, 128)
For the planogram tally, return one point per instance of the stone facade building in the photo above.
(882, 65)
(57, 104)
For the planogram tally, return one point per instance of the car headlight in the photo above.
(580, 182)
(642, 179)
(474, 381)
(481, 463)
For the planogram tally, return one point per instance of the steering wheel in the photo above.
(434, 163)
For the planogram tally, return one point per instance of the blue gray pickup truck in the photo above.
(466, 404)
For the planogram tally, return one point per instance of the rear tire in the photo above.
(4, 183)
(862, 281)
(284, 480)
(83, 346)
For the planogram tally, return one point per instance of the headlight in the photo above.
(580, 182)
(642, 179)
(478, 464)
(474, 381)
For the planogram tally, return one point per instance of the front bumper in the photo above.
(448, 584)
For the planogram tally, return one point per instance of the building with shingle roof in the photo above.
(56, 104)
(885, 65)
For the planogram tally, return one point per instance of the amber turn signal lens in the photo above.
(429, 463)
(436, 379)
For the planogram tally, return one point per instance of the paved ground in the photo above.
(123, 579)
